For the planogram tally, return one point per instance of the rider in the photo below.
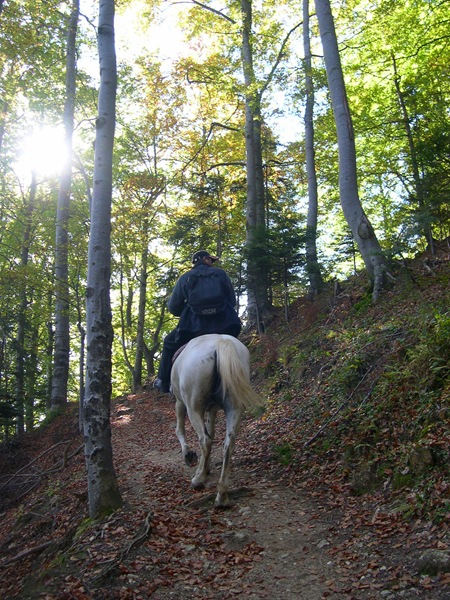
(192, 324)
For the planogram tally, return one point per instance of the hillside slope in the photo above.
(341, 488)
(366, 387)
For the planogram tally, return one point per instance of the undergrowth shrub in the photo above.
(284, 453)
(429, 359)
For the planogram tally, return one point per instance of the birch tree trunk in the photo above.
(62, 325)
(312, 264)
(103, 490)
(357, 220)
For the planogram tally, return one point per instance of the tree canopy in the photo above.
(210, 152)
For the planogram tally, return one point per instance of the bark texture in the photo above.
(355, 216)
(258, 305)
(60, 374)
(312, 264)
(103, 490)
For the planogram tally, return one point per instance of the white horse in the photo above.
(212, 373)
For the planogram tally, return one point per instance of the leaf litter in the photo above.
(296, 528)
(285, 535)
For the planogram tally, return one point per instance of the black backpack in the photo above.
(205, 293)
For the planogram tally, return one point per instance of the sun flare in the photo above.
(43, 151)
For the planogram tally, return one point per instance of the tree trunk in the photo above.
(150, 352)
(103, 490)
(412, 152)
(81, 366)
(258, 306)
(22, 316)
(30, 385)
(312, 264)
(137, 371)
(49, 347)
(357, 220)
(62, 325)
(126, 319)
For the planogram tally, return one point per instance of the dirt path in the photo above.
(290, 533)
(278, 540)
(289, 561)
(292, 563)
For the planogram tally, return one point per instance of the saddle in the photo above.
(178, 352)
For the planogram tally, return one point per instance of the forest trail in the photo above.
(283, 537)
(279, 539)
(297, 528)
(284, 534)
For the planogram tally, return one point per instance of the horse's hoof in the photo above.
(222, 502)
(197, 485)
(190, 458)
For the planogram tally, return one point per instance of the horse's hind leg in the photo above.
(190, 456)
(233, 418)
(210, 427)
(205, 440)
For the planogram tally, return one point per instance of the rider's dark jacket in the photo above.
(226, 321)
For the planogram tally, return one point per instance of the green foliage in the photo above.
(428, 358)
(84, 526)
(53, 490)
(51, 417)
(365, 391)
(284, 453)
(402, 480)
(276, 251)
(179, 176)
(389, 88)
(363, 304)
(351, 371)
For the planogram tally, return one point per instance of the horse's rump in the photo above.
(215, 362)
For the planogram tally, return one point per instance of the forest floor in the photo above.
(297, 528)
(283, 537)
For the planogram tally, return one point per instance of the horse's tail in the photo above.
(235, 376)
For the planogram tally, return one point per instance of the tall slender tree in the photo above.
(21, 352)
(312, 264)
(406, 121)
(103, 489)
(355, 216)
(62, 325)
(258, 302)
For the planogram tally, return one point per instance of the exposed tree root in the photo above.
(206, 499)
(140, 537)
(27, 553)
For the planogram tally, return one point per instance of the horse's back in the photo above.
(200, 352)
(195, 367)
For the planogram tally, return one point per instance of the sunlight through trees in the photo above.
(225, 138)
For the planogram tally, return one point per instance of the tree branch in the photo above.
(279, 57)
(213, 10)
